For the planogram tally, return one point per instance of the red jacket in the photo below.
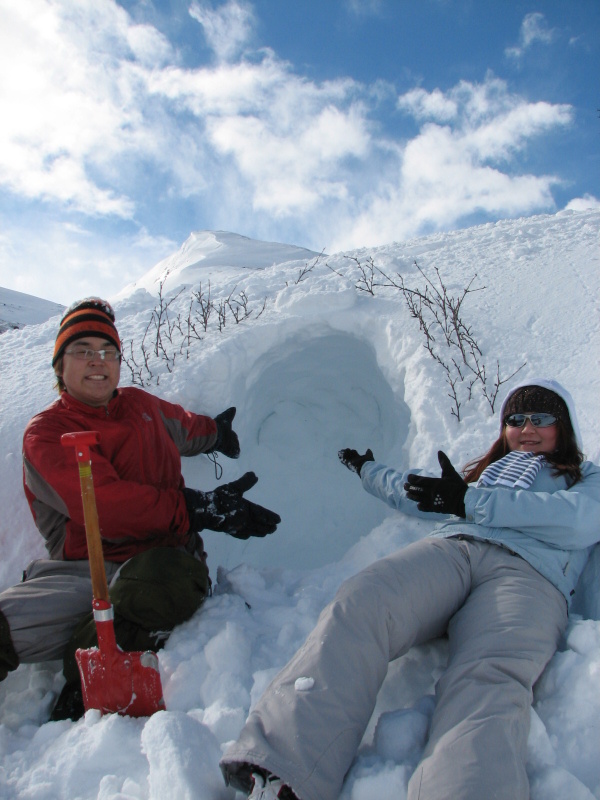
(136, 469)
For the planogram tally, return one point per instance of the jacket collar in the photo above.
(71, 403)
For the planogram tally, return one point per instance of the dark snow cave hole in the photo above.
(308, 399)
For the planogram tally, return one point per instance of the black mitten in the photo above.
(353, 460)
(260, 521)
(225, 509)
(227, 440)
(446, 495)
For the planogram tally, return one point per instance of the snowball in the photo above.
(304, 684)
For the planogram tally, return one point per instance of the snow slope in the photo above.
(313, 363)
(18, 309)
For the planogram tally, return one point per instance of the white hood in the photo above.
(554, 386)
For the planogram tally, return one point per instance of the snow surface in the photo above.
(18, 309)
(324, 366)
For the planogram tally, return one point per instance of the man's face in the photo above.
(94, 380)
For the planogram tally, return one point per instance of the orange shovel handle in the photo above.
(111, 680)
(81, 442)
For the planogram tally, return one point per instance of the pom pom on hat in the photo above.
(88, 317)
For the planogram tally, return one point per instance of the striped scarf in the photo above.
(517, 470)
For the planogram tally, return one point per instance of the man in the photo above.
(149, 522)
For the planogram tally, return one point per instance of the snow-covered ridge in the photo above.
(203, 252)
(18, 309)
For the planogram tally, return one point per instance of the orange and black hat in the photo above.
(89, 317)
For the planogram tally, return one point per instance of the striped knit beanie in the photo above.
(89, 317)
(531, 399)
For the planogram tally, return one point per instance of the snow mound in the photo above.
(205, 253)
(324, 365)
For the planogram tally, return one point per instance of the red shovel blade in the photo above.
(124, 683)
(115, 681)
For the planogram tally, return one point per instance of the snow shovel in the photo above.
(113, 681)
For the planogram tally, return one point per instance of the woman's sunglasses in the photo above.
(537, 420)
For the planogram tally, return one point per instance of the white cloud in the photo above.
(292, 168)
(582, 203)
(487, 120)
(98, 104)
(288, 138)
(449, 172)
(65, 261)
(69, 100)
(227, 29)
(362, 8)
(428, 105)
(148, 46)
(533, 29)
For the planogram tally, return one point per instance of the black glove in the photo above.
(227, 440)
(353, 460)
(446, 495)
(226, 510)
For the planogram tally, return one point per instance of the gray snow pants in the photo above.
(503, 620)
(49, 613)
(44, 610)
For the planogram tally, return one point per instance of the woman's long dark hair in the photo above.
(566, 458)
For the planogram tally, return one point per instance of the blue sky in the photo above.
(327, 124)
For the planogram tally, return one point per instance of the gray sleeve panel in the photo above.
(50, 510)
(187, 446)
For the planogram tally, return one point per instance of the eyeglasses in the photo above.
(86, 354)
(537, 420)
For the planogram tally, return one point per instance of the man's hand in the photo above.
(226, 510)
(445, 495)
(353, 460)
(227, 440)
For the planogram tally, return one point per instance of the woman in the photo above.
(496, 576)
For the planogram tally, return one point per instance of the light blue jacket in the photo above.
(550, 525)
